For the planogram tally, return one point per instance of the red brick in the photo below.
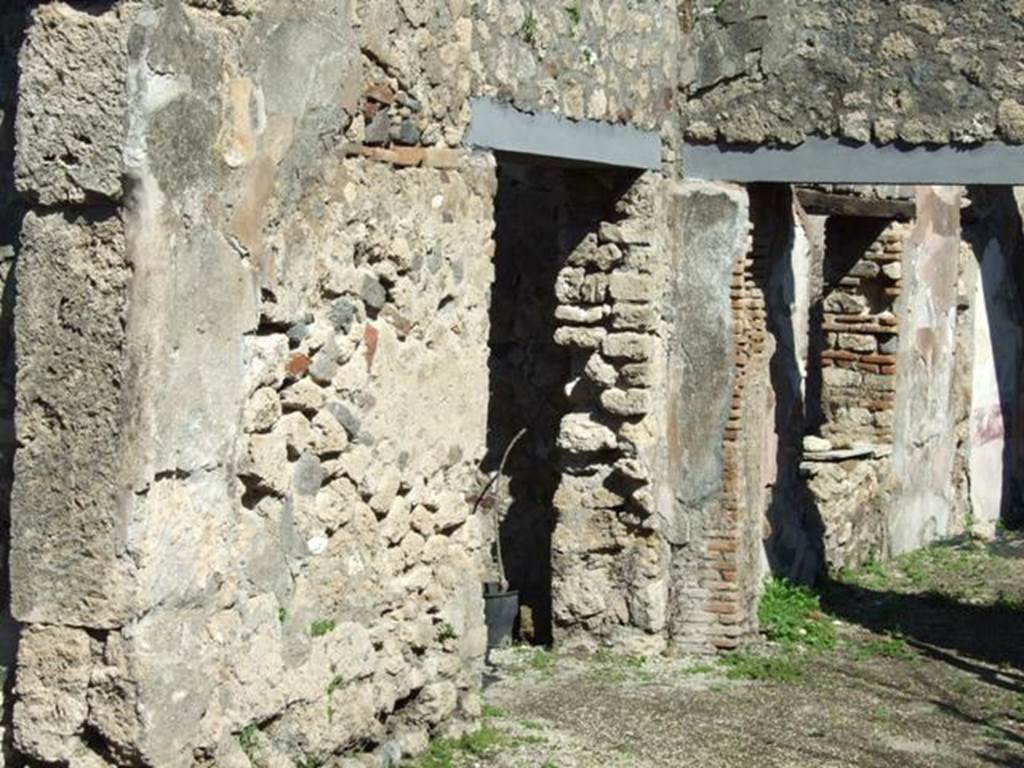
(370, 338)
(298, 364)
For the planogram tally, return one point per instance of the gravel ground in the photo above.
(928, 671)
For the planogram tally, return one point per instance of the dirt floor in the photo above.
(918, 663)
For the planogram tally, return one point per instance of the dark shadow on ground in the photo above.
(984, 640)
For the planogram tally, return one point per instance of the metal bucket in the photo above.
(500, 612)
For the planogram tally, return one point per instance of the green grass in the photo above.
(529, 29)
(489, 710)
(542, 660)
(775, 669)
(574, 14)
(443, 753)
(791, 615)
(321, 627)
(889, 647)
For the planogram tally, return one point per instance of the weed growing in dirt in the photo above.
(541, 660)
(443, 753)
(889, 647)
(748, 666)
(791, 615)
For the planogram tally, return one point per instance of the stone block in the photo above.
(634, 317)
(602, 258)
(626, 402)
(579, 433)
(636, 375)
(628, 346)
(865, 269)
(55, 666)
(581, 338)
(844, 303)
(594, 289)
(600, 372)
(630, 286)
(72, 102)
(569, 313)
(71, 314)
(857, 342)
(568, 285)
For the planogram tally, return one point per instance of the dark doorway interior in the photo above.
(542, 214)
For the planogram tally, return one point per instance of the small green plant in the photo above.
(748, 666)
(446, 632)
(791, 615)
(282, 614)
(541, 660)
(574, 13)
(307, 762)
(489, 710)
(529, 29)
(249, 740)
(889, 647)
(321, 627)
(443, 753)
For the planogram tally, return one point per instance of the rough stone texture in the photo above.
(778, 71)
(253, 545)
(610, 560)
(268, 338)
(13, 20)
(614, 61)
(68, 530)
(73, 62)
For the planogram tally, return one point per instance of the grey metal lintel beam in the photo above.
(503, 128)
(833, 161)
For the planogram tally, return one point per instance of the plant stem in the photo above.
(497, 509)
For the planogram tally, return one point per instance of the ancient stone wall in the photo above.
(780, 71)
(13, 20)
(848, 470)
(280, 369)
(610, 563)
(274, 557)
